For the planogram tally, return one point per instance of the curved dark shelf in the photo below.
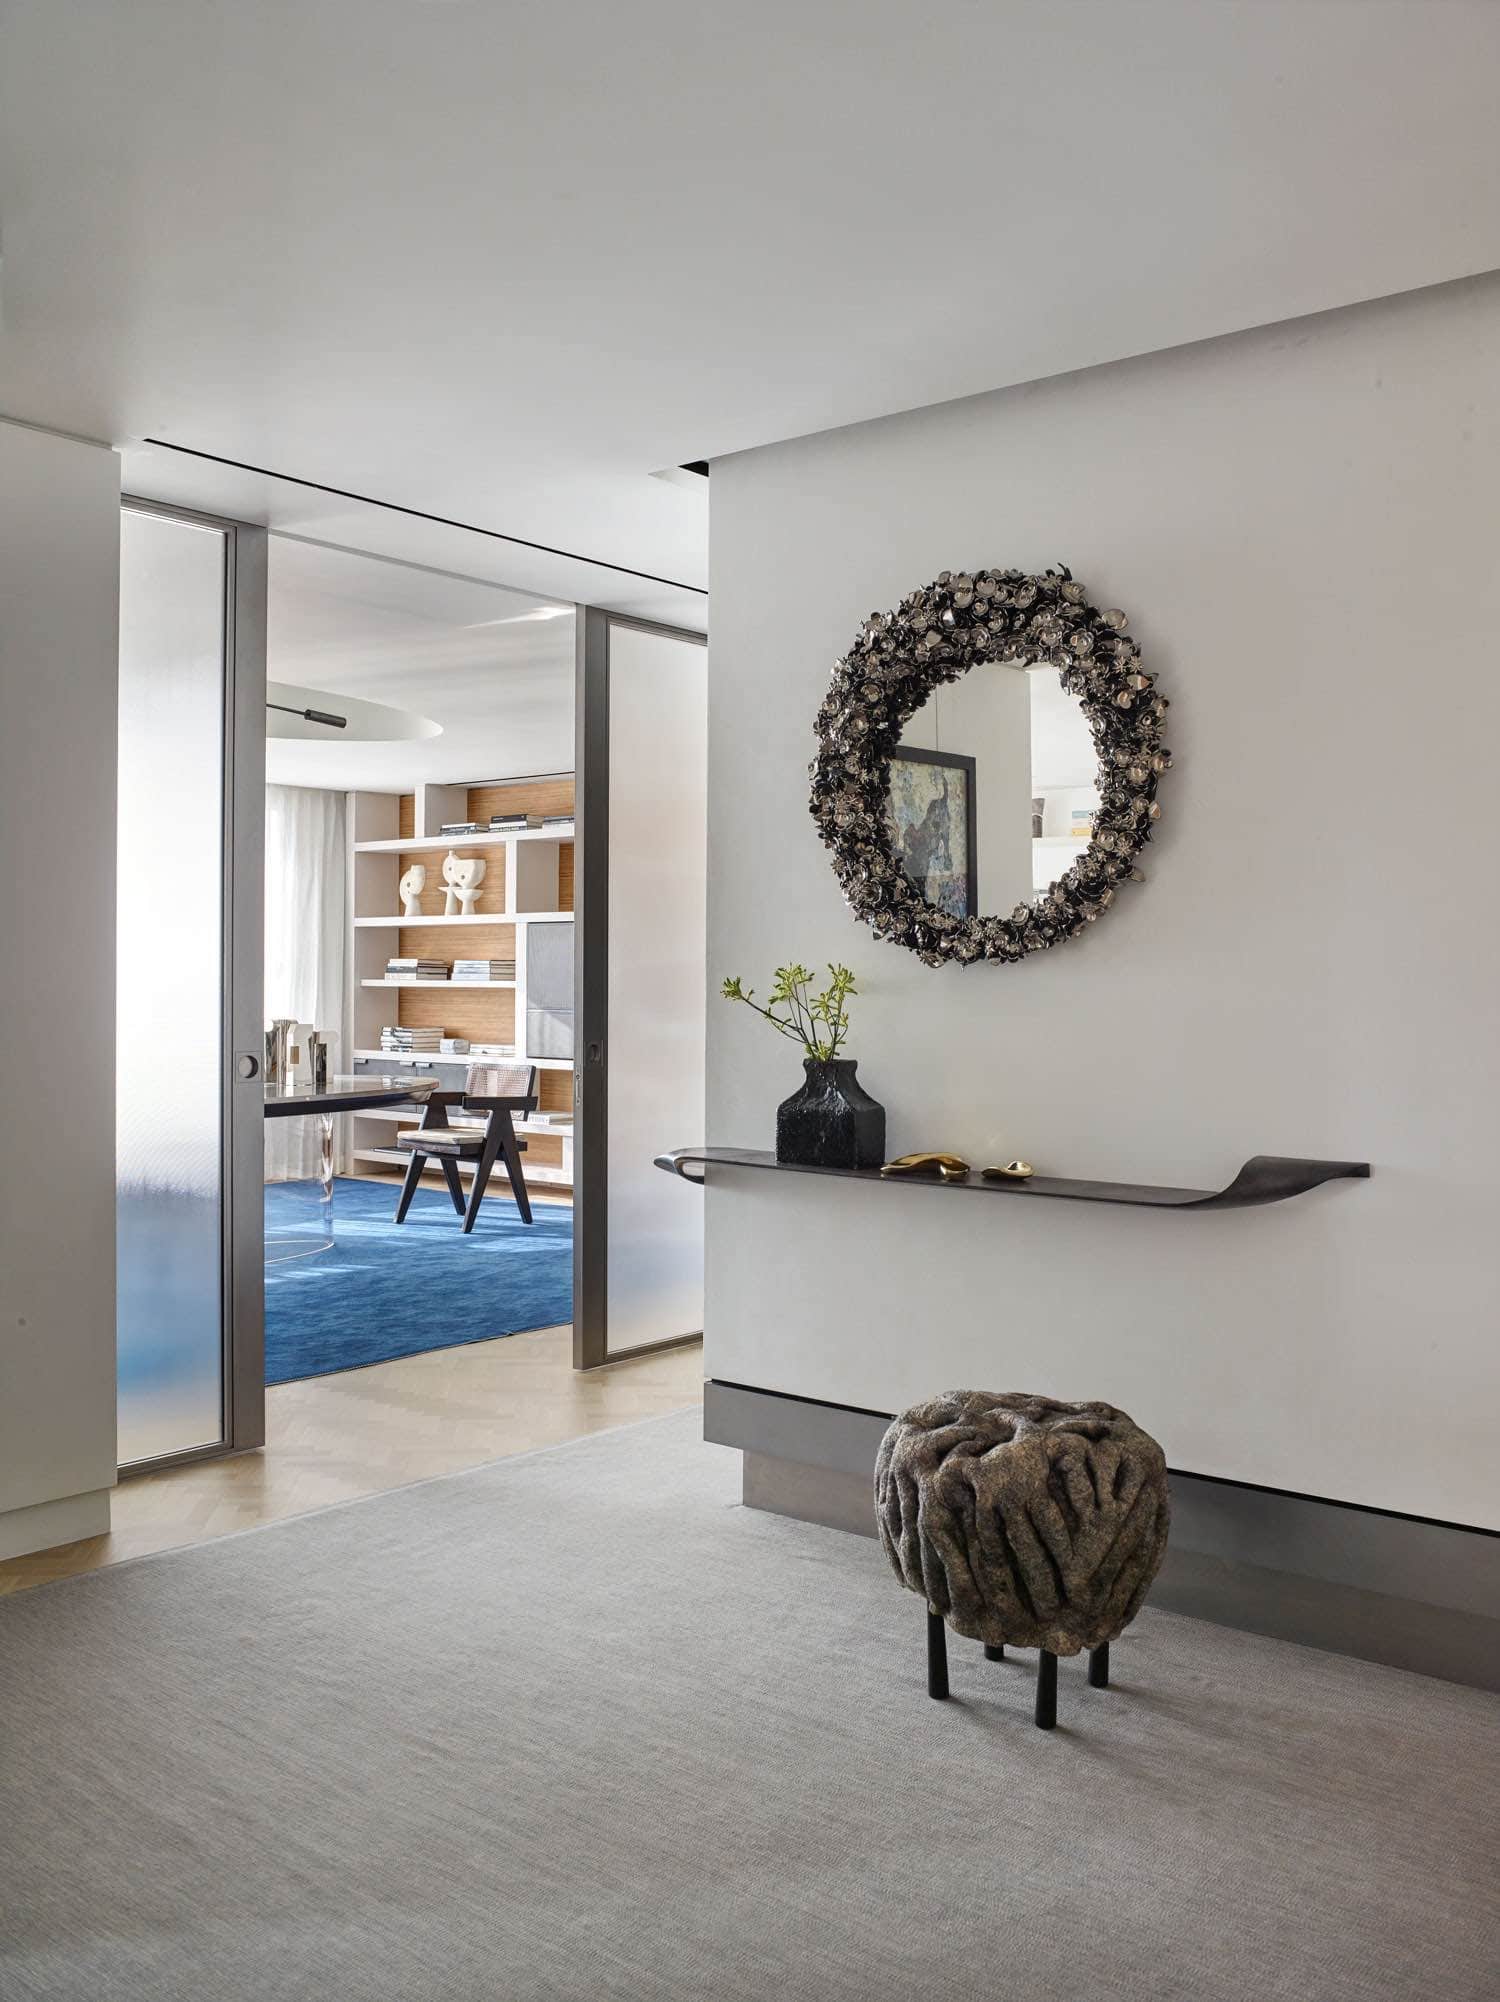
(1265, 1178)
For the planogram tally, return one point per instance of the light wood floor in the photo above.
(336, 1438)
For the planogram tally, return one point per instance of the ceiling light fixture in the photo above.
(312, 715)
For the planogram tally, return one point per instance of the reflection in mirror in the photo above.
(994, 788)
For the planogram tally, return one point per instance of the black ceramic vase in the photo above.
(832, 1122)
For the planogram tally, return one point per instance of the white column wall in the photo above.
(59, 583)
(1301, 522)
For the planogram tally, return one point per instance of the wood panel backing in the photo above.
(554, 1092)
(485, 1015)
(406, 815)
(565, 877)
(450, 942)
(521, 796)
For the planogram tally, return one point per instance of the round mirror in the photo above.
(988, 763)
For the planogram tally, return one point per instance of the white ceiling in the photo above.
(482, 663)
(501, 262)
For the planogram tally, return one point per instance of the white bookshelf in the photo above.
(385, 920)
(525, 876)
(439, 844)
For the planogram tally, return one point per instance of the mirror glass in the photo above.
(993, 789)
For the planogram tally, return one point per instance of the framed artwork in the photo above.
(932, 827)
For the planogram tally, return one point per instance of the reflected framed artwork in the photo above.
(932, 827)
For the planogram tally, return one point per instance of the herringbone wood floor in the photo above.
(335, 1438)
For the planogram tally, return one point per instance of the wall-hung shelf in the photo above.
(443, 986)
(1265, 1178)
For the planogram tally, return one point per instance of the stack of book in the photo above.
(416, 969)
(459, 827)
(557, 820)
(483, 969)
(399, 1042)
(560, 1122)
(455, 1046)
(507, 823)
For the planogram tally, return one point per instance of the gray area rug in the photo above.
(579, 1726)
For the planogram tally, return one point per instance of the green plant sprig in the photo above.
(819, 1022)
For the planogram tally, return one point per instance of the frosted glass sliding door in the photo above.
(173, 1110)
(639, 1279)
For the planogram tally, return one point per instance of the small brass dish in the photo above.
(1013, 1171)
(929, 1167)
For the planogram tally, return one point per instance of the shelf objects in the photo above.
(463, 877)
(953, 1168)
(411, 886)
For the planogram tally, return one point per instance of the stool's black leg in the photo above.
(1099, 1667)
(993, 1653)
(937, 1657)
(1046, 1690)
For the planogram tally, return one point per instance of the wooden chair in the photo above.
(500, 1090)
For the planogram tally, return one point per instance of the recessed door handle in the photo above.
(247, 1063)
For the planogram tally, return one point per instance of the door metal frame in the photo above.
(591, 989)
(242, 1030)
(244, 991)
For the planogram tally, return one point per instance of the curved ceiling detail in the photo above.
(364, 722)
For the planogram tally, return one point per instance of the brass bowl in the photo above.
(929, 1167)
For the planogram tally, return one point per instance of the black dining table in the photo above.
(324, 1102)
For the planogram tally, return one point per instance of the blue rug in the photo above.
(388, 1289)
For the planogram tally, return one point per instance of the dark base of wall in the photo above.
(812, 1494)
(1386, 1588)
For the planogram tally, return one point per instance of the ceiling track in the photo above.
(421, 514)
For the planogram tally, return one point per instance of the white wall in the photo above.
(59, 577)
(1301, 522)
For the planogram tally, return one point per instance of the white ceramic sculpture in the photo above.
(462, 876)
(413, 883)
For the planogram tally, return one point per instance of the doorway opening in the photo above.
(419, 874)
(309, 732)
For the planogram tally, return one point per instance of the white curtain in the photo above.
(306, 930)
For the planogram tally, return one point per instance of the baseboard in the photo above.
(1382, 1587)
(44, 1525)
(1453, 1643)
(825, 1495)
